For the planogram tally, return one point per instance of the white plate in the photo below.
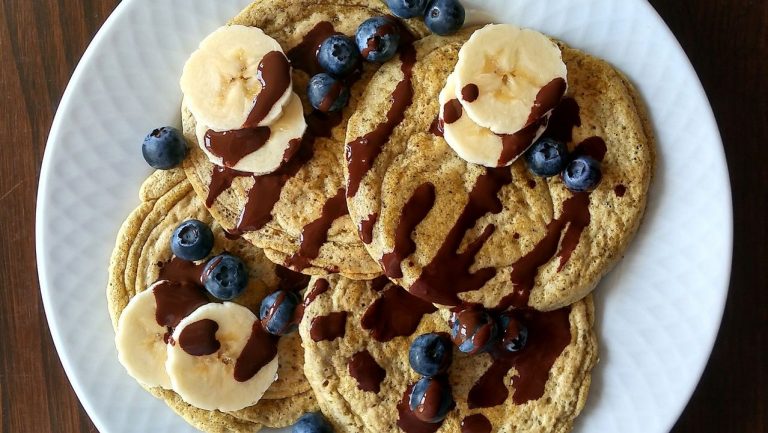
(659, 310)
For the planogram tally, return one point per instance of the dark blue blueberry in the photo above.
(582, 174)
(276, 312)
(444, 17)
(431, 399)
(514, 334)
(407, 8)
(377, 39)
(338, 55)
(327, 93)
(547, 157)
(164, 148)
(192, 240)
(225, 277)
(430, 354)
(312, 422)
(473, 330)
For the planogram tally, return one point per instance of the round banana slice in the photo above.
(509, 66)
(221, 359)
(476, 144)
(141, 340)
(271, 155)
(228, 74)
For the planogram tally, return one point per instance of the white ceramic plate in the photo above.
(659, 310)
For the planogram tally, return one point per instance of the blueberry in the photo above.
(473, 330)
(431, 399)
(192, 240)
(430, 354)
(164, 148)
(276, 312)
(338, 55)
(547, 157)
(327, 93)
(312, 422)
(407, 8)
(444, 17)
(225, 277)
(377, 39)
(582, 174)
(514, 333)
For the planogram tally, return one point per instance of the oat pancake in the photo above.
(141, 253)
(541, 391)
(453, 232)
(279, 207)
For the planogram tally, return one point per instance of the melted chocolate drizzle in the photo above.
(548, 335)
(448, 273)
(259, 351)
(452, 111)
(315, 234)
(437, 127)
(476, 423)
(176, 300)
(368, 373)
(274, 74)
(304, 55)
(513, 145)
(547, 99)
(470, 93)
(328, 327)
(366, 228)
(232, 146)
(321, 286)
(415, 210)
(199, 338)
(408, 421)
(395, 313)
(620, 190)
(362, 152)
(221, 180)
(182, 271)
(379, 283)
(290, 280)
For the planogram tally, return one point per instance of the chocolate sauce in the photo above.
(232, 146)
(531, 183)
(362, 152)
(395, 313)
(592, 146)
(221, 180)
(437, 127)
(321, 286)
(474, 325)
(199, 338)
(379, 283)
(290, 280)
(407, 421)
(333, 94)
(620, 190)
(470, 92)
(315, 234)
(547, 99)
(366, 228)
(304, 55)
(259, 351)
(176, 300)
(448, 273)
(329, 327)
(374, 42)
(564, 118)
(452, 111)
(513, 145)
(274, 74)
(428, 407)
(548, 335)
(368, 373)
(182, 271)
(476, 423)
(415, 210)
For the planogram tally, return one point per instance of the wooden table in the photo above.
(41, 41)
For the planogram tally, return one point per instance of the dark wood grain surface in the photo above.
(41, 42)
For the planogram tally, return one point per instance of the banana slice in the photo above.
(223, 79)
(271, 155)
(142, 331)
(519, 76)
(221, 359)
(477, 144)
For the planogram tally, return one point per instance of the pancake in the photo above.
(141, 252)
(314, 177)
(542, 396)
(499, 237)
